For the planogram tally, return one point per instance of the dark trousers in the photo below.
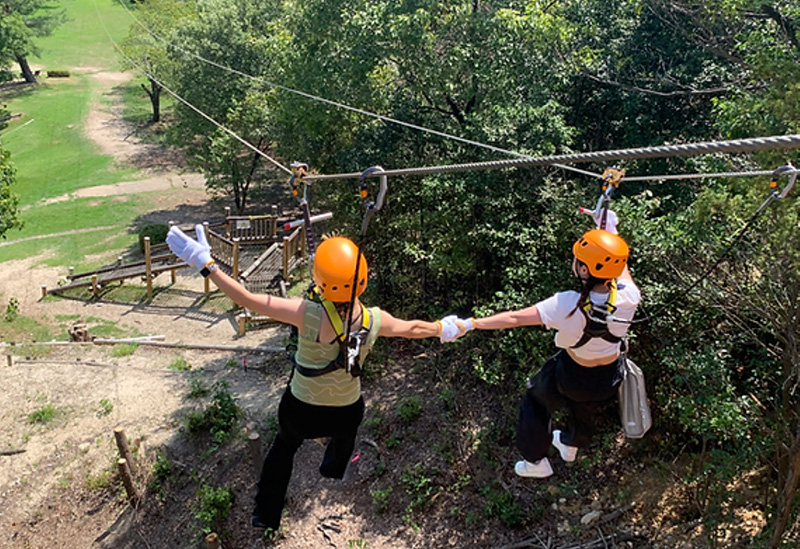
(562, 383)
(298, 421)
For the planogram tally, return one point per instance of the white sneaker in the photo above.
(568, 453)
(538, 469)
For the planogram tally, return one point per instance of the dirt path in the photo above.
(89, 389)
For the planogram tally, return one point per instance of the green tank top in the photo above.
(336, 388)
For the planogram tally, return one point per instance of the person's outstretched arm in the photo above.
(412, 329)
(287, 310)
(197, 253)
(529, 316)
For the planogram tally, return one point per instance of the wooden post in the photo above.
(206, 286)
(122, 445)
(274, 232)
(227, 221)
(236, 247)
(285, 268)
(254, 443)
(44, 290)
(10, 360)
(212, 541)
(148, 267)
(303, 242)
(71, 270)
(174, 275)
(127, 480)
(95, 288)
(119, 260)
(242, 318)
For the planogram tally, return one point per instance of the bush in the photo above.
(58, 74)
(156, 231)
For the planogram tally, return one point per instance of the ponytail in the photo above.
(586, 288)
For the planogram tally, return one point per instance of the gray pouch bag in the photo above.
(634, 410)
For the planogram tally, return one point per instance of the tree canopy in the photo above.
(538, 78)
(9, 201)
(22, 21)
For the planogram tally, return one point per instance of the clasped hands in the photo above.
(454, 327)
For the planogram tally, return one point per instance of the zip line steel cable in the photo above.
(342, 105)
(185, 102)
(753, 144)
(691, 149)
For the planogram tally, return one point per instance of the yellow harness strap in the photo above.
(335, 319)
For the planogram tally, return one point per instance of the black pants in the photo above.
(563, 383)
(299, 421)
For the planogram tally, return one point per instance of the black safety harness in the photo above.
(598, 316)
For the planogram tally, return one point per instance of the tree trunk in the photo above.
(787, 496)
(27, 73)
(154, 93)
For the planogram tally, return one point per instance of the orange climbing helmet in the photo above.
(335, 266)
(603, 252)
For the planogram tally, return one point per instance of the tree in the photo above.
(9, 201)
(145, 47)
(22, 21)
(232, 168)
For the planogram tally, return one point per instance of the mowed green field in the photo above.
(51, 152)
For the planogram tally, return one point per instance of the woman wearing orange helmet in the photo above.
(323, 398)
(588, 367)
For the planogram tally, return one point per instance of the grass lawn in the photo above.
(52, 155)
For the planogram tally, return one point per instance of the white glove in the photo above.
(196, 253)
(454, 327)
(449, 331)
(611, 221)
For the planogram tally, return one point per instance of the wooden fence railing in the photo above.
(293, 247)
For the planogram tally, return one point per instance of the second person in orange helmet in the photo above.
(323, 397)
(588, 368)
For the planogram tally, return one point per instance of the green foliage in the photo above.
(419, 487)
(162, 470)
(124, 349)
(45, 414)
(106, 407)
(500, 504)
(156, 231)
(12, 310)
(22, 22)
(220, 417)
(410, 409)
(380, 499)
(213, 507)
(197, 389)
(9, 200)
(179, 363)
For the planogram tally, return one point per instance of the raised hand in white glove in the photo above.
(611, 221)
(196, 253)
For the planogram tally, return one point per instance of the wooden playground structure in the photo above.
(248, 248)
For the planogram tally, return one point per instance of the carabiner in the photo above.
(611, 179)
(773, 184)
(364, 191)
(371, 207)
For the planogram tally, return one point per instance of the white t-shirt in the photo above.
(555, 309)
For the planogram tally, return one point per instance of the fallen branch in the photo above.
(74, 362)
(203, 346)
(11, 452)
